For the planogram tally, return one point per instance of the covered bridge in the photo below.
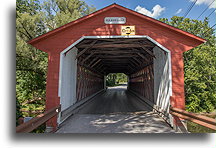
(115, 40)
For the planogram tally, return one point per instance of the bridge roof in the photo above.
(86, 25)
(110, 7)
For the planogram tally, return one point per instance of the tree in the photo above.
(30, 63)
(113, 79)
(199, 65)
(60, 12)
(33, 19)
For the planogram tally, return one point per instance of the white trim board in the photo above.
(62, 54)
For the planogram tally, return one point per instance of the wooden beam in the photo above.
(115, 63)
(132, 61)
(118, 41)
(37, 121)
(92, 53)
(110, 49)
(118, 67)
(106, 39)
(142, 56)
(122, 60)
(110, 59)
(147, 50)
(145, 65)
(115, 52)
(115, 46)
(116, 56)
(131, 68)
(138, 53)
(115, 72)
(86, 48)
(137, 60)
(99, 67)
(122, 39)
(108, 63)
(147, 42)
(96, 63)
(94, 60)
(89, 68)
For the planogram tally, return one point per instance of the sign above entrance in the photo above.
(114, 20)
(127, 30)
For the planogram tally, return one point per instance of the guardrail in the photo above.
(199, 119)
(37, 121)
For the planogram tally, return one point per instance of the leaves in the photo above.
(60, 12)
(113, 79)
(33, 19)
(199, 65)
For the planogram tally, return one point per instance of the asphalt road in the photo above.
(115, 100)
(115, 111)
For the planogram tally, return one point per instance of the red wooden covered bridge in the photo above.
(115, 40)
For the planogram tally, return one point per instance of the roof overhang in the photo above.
(152, 20)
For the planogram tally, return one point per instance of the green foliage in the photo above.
(28, 6)
(33, 19)
(31, 64)
(199, 65)
(196, 128)
(18, 113)
(114, 79)
(60, 12)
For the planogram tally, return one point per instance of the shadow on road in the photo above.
(142, 122)
(115, 111)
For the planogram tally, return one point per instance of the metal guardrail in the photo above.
(199, 119)
(37, 121)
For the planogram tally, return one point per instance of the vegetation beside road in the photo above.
(196, 128)
(199, 65)
(114, 79)
(34, 18)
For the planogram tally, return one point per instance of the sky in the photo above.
(164, 8)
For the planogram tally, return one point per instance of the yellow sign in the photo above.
(127, 30)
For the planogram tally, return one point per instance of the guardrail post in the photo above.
(38, 121)
(178, 124)
(196, 118)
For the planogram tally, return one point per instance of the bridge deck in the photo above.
(115, 111)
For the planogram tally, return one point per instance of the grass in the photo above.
(196, 128)
(40, 129)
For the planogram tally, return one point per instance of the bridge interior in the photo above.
(115, 55)
(115, 100)
(145, 64)
(115, 111)
(134, 57)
